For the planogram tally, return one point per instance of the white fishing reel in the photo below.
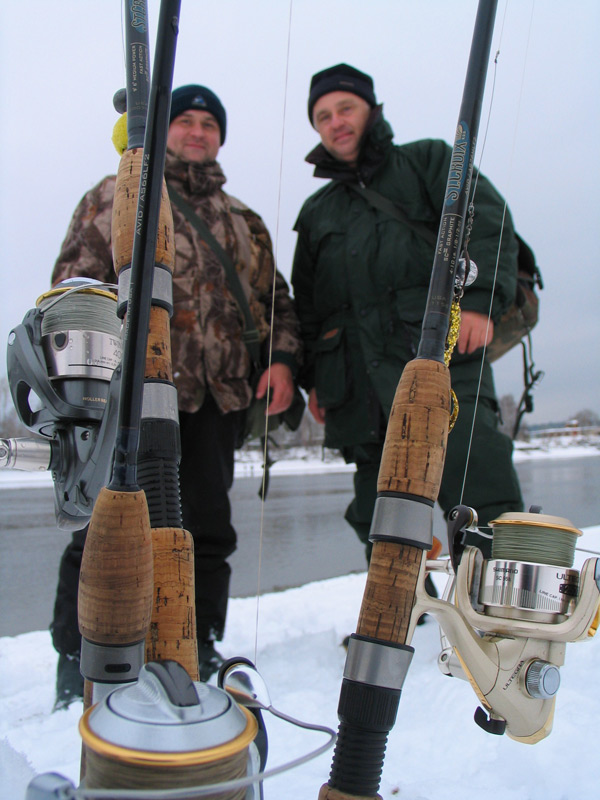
(63, 364)
(506, 621)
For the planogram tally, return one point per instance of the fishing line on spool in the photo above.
(81, 333)
(531, 543)
(191, 792)
(81, 312)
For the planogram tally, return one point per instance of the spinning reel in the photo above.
(506, 620)
(167, 732)
(63, 372)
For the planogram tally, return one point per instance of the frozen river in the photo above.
(304, 536)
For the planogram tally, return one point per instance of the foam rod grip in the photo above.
(172, 632)
(116, 578)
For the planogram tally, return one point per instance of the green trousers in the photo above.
(478, 472)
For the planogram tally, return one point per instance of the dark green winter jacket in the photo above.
(361, 277)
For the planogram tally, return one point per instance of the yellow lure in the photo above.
(119, 134)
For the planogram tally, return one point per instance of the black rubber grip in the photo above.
(367, 714)
(158, 471)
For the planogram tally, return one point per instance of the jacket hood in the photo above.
(375, 148)
(197, 179)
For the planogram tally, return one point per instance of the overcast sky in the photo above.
(62, 61)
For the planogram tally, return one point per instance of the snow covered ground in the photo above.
(435, 751)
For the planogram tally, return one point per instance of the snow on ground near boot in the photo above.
(435, 751)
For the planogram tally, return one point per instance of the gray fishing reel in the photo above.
(506, 620)
(63, 364)
(171, 735)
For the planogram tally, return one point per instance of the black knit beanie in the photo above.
(193, 96)
(341, 78)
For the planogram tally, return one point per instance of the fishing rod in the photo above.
(172, 632)
(152, 724)
(162, 728)
(65, 366)
(506, 620)
(116, 585)
(379, 653)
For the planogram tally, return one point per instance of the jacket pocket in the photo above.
(331, 374)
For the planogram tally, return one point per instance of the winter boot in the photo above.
(69, 681)
(209, 659)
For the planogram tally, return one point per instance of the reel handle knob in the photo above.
(542, 680)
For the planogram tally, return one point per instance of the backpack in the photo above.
(522, 316)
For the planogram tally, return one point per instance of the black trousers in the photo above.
(205, 475)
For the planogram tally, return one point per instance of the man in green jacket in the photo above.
(361, 277)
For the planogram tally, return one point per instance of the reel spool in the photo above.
(530, 574)
(166, 731)
(63, 372)
(81, 341)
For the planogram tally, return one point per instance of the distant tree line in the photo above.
(310, 433)
(586, 418)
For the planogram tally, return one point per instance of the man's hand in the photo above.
(314, 407)
(279, 376)
(475, 331)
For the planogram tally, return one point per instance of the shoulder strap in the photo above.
(250, 334)
(391, 209)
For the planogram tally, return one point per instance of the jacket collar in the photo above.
(196, 179)
(374, 151)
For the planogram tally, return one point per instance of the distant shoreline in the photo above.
(298, 462)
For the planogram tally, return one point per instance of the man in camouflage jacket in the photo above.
(211, 364)
(361, 278)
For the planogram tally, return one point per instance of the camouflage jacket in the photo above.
(206, 328)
